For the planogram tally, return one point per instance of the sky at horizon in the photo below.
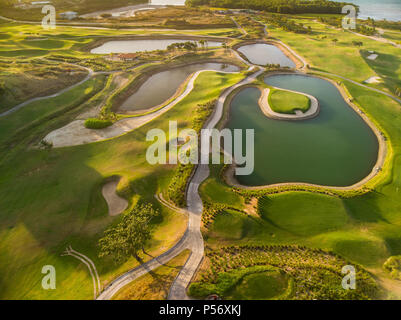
(383, 9)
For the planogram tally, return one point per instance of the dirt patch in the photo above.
(252, 208)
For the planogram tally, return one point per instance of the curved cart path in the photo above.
(21, 105)
(192, 238)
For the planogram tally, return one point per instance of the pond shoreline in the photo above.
(311, 113)
(99, 42)
(137, 83)
(298, 64)
(228, 175)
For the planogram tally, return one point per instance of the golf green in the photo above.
(337, 148)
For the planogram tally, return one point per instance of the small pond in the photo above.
(141, 45)
(263, 54)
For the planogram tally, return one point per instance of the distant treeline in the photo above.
(395, 25)
(277, 6)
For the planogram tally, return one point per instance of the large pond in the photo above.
(337, 148)
(263, 54)
(161, 86)
(139, 45)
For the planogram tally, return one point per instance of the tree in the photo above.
(2, 87)
(335, 40)
(202, 43)
(357, 43)
(129, 236)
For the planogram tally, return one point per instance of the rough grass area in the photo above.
(52, 198)
(287, 102)
(23, 80)
(180, 18)
(279, 272)
(156, 284)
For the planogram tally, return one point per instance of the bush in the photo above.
(393, 266)
(94, 123)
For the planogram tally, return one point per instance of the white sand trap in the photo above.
(373, 56)
(115, 203)
(373, 80)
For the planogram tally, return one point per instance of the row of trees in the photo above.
(277, 6)
(188, 46)
(289, 25)
(191, 46)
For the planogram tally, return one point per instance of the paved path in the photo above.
(129, 9)
(379, 39)
(243, 31)
(312, 112)
(192, 239)
(75, 133)
(360, 84)
(195, 206)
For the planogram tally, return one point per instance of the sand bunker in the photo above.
(373, 56)
(116, 204)
(373, 80)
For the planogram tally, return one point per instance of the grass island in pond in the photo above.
(282, 101)
(337, 148)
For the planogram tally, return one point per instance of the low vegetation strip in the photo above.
(308, 274)
(177, 187)
(94, 123)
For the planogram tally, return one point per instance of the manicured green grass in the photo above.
(260, 286)
(51, 198)
(363, 229)
(342, 58)
(287, 102)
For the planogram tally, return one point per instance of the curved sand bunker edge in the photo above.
(115, 203)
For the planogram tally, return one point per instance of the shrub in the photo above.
(94, 123)
(393, 266)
